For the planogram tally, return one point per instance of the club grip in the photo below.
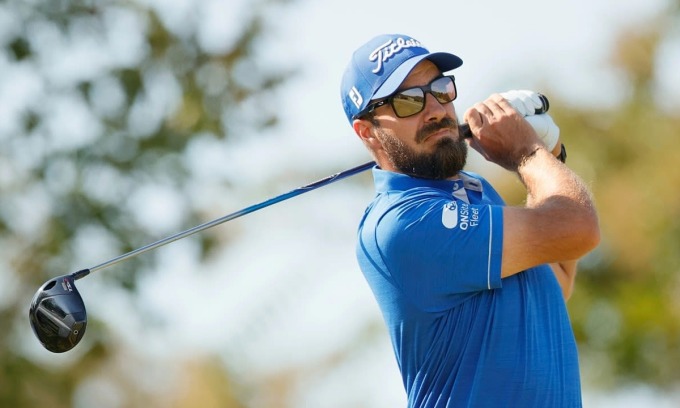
(466, 133)
(464, 130)
(546, 104)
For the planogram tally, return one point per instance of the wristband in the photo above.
(563, 154)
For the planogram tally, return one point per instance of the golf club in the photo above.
(57, 312)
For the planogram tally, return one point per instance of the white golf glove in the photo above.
(526, 103)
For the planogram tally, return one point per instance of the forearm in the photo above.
(545, 177)
(556, 179)
(562, 202)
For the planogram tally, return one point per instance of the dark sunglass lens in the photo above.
(408, 102)
(444, 89)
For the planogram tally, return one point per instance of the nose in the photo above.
(434, 111)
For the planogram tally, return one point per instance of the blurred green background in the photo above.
(122, 122)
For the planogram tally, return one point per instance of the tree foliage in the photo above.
(625, 309)
(101, 103)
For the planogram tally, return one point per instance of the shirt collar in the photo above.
(390, 181)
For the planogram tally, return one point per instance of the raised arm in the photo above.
(559, 223)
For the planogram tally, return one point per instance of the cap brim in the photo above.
(443, 60)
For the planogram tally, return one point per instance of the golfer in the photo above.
(472, 291)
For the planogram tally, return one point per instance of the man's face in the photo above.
(428, 144)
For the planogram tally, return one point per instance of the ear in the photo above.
(364, 129)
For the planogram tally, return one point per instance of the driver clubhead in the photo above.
(57, 314)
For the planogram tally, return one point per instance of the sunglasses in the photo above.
(411, 101)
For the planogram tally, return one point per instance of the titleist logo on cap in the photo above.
(387, 50)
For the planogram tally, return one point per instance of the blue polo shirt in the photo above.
(431, 252)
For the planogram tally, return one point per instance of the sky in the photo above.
(299, 255)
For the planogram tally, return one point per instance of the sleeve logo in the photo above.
(463, 217)
(450, 215)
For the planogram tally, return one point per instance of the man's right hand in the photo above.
(500, 133)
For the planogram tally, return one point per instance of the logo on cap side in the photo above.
(389, 49)
(355, 97)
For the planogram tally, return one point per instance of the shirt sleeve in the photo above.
(441, 250)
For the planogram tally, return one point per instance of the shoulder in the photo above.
(411, 202)
(398, 213)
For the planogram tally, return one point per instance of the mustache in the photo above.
(430, 128)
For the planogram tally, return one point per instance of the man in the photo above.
(472, 291)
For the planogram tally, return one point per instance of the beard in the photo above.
(448, 158)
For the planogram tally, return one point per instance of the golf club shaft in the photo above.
(465, 133)
(255, 207)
